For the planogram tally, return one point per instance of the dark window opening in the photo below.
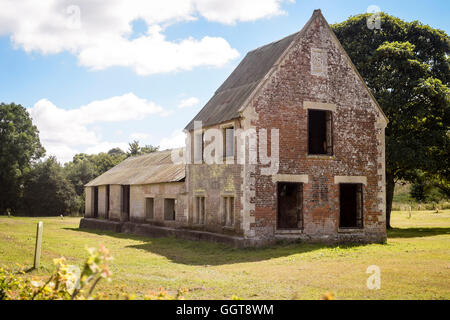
(351, 205)
(228, 211)
(290, 206)
(169, 209)
(126, 202)
(107, 201)
(229, 142)
(320, 132)
(149, 208)
(95, 202)
(200, 210)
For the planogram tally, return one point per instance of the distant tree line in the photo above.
(32, 185)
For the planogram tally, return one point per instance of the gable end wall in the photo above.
(358, 134)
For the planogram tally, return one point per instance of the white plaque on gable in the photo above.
(319, 62)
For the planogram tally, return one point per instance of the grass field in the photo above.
(415, 262)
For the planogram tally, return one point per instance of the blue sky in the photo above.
(101, 74)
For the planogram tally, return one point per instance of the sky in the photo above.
(98, 74)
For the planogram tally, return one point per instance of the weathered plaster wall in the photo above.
(102, 202)
(215, 181)
(115, 202)
(159, 192)
(89, 209)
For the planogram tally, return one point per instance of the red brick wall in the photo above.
(279, 104)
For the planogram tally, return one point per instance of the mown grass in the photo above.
(415, 262)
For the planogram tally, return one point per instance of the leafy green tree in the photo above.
(418, 191)
(135, 150)
(47, 192)
(426, 189)
(116, 152)
(149, 149)
(85, 167)
(79, 173)
(406, 66)
(19, 146)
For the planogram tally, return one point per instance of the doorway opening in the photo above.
(351, 205)
(126, 202)
(169, 209)
(95, 202)
(108, 190)
(290, 206)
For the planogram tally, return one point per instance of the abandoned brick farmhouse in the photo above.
(320, 176)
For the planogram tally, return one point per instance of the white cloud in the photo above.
(120, 108)
(231, 11)
(106, 146)
(98, 32)
(189, 102)
(62, 152)
(139, 136)
(64, 132)
(176, 140)
(153, 54)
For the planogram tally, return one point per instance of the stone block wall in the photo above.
(158, 192)
(214, 182)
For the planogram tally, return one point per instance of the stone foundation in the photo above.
(153, 231)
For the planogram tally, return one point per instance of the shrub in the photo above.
(67, 282)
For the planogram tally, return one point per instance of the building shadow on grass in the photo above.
(203, 253)
(417, 232)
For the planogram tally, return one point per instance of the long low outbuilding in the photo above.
(146, 188)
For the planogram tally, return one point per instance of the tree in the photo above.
(47, 192)
(135, 150)
(406, 67)
(426, 189)
(149, 149)
(79, 173)
(85, 168)
(19, 146)
(116, 152)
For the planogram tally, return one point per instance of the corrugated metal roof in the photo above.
(156, 167)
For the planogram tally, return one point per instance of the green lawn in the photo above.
(415, 262)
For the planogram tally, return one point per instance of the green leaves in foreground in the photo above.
(67, 282)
